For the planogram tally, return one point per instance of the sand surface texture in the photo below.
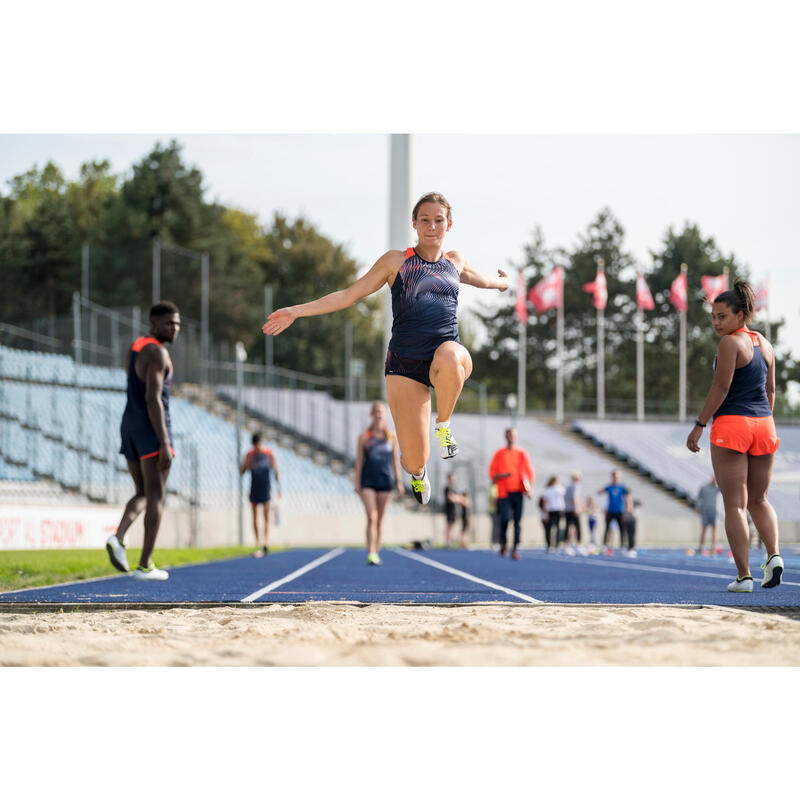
(327, 634)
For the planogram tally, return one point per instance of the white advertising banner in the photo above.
(55, 527)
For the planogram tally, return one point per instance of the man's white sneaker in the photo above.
(116, 553)
(421, 487)
(741, 585)
(448, 447)
(151, 574)
(773, 570)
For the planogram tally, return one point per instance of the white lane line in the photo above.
(646, 568)
(292, 575)
(474, 578)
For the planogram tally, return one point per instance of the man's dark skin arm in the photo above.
(152, 373)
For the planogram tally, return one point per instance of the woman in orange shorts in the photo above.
(743, 437)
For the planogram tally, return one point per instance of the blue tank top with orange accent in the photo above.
(424, 305)
(747, 395)
(260, 464)
(377, 468)
(136, 407)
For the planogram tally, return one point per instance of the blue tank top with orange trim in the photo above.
(136, 407)
(747, 395)
(378, 466)
(424, 305)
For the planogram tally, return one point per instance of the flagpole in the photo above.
(766, 313)
(682, 367)
(639, 363)
(601, 365)
(560, 357)
(521, 399)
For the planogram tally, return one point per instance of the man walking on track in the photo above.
(511, 471)
(146, 433)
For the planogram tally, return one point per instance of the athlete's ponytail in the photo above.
(740, 298)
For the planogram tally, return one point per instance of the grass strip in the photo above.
(21, 569)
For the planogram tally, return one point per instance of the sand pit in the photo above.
(327, 634)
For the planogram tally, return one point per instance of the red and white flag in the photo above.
(547, 293)
(599, 288)
(678, 295)
(644, 299)
(520, 308)
(714, 285)
(761, 297)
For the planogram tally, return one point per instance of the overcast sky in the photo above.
(739, 189)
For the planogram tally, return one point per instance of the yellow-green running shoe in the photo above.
(448, 447)
(374, 559)
(421, 487)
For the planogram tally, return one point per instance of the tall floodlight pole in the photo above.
(241, 357)
(399, 212)
(560, 357)
(682, 364)
(601, 354)
(156, 270)
(639, 363)
(348, 358)
(204, 295)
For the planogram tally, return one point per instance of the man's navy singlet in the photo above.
(139, 440)
(424, 305)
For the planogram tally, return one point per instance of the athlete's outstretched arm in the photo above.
(368, 283)
(726, 364)
(472, 277)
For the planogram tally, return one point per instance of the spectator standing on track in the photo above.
(554, 502)
(545, 518)
(511, 470)
(260, 461)
(376, 473)
(743, 437)
(494, 514)
(146, 433)
(591, 519)
(453, 501)
(707, 499)
(616, 495)
(573, 508)
(628, 530)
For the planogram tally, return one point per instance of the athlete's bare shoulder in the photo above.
(457, 258)
(766, 348)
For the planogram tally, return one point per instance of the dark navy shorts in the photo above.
(260, 494)
(377, 487)
(418, 369)
(140, 442)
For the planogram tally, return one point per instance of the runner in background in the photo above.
(260, 461)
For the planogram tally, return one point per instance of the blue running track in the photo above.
(432, 577)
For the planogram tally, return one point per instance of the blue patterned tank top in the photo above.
(424, 305)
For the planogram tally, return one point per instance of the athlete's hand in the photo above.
(503, 282)
(400, 489)
(693, 439)
(164, 457)
(278, 321)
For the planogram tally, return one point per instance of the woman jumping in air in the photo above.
(424, 350)
(743, 437)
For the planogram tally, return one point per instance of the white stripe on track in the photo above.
(292, 575)
(474, 578)
(646, 568)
